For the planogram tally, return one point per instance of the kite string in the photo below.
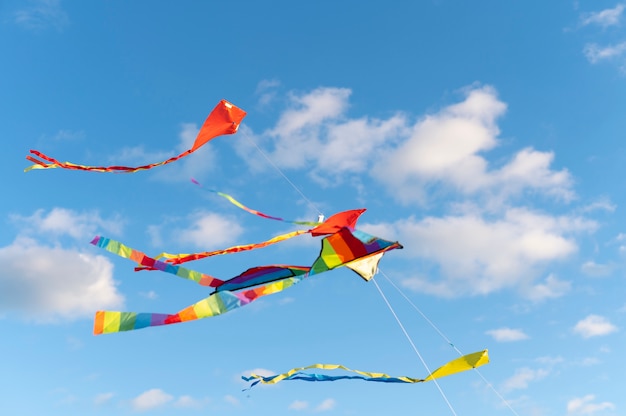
(447, 340)
(406, 334)
(281, 173)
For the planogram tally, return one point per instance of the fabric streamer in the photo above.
(333, 224)
(224, 119)
(254, 283)
(464, 363)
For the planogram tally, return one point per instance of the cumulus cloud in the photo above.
(594, 326)
(447, 148)
(604, 18)
(480, 256)
(62, 221)
(151, 399)
(76, 283)
(315, 132)
(507, 334)
(585, 405)
(209, 230)
(523, 377)
(42, 14)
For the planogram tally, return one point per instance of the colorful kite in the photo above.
(464, 363)
(343, 248)
(224, 119)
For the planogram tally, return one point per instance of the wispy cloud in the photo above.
(596, 53)
(298, 405)
(604, 18)
(507, 334)
(103, 398)
(42, 14)
(594, 326)
(585, 405)
(593, 269)
(523, 377)
(326, 405)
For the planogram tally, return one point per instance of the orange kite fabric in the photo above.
(224, 119)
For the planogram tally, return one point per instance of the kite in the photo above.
(463, 363)
(345, 247)
(224, 119)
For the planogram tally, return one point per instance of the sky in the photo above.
(486, 137)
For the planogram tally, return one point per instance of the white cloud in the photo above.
(326, 405)
(298, 405)
(266, 90)
(103, 398)
(189, 402)
(593, 269)
(507, 334)
(551, 288)
(480, 256)
(447, 148)
(61, 221)
(151, 399)
(210, 230)
(585, 406)
(41, 15)
(45, 283)
(523, 377)
(314, 130)
(596, 53)
(593, 326)
(604, 18)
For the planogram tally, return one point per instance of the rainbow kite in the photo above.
(354, 249)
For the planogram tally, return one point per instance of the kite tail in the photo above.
(254, 211)
(224, 119)
(143, 260)
(183, 258)
(464, 363)
(107, 322)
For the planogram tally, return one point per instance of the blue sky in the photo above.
(487, 138)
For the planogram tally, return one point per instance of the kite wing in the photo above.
(224, 119)
(464, 363)
(355, 249)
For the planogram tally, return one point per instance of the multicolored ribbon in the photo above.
(464, 363)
